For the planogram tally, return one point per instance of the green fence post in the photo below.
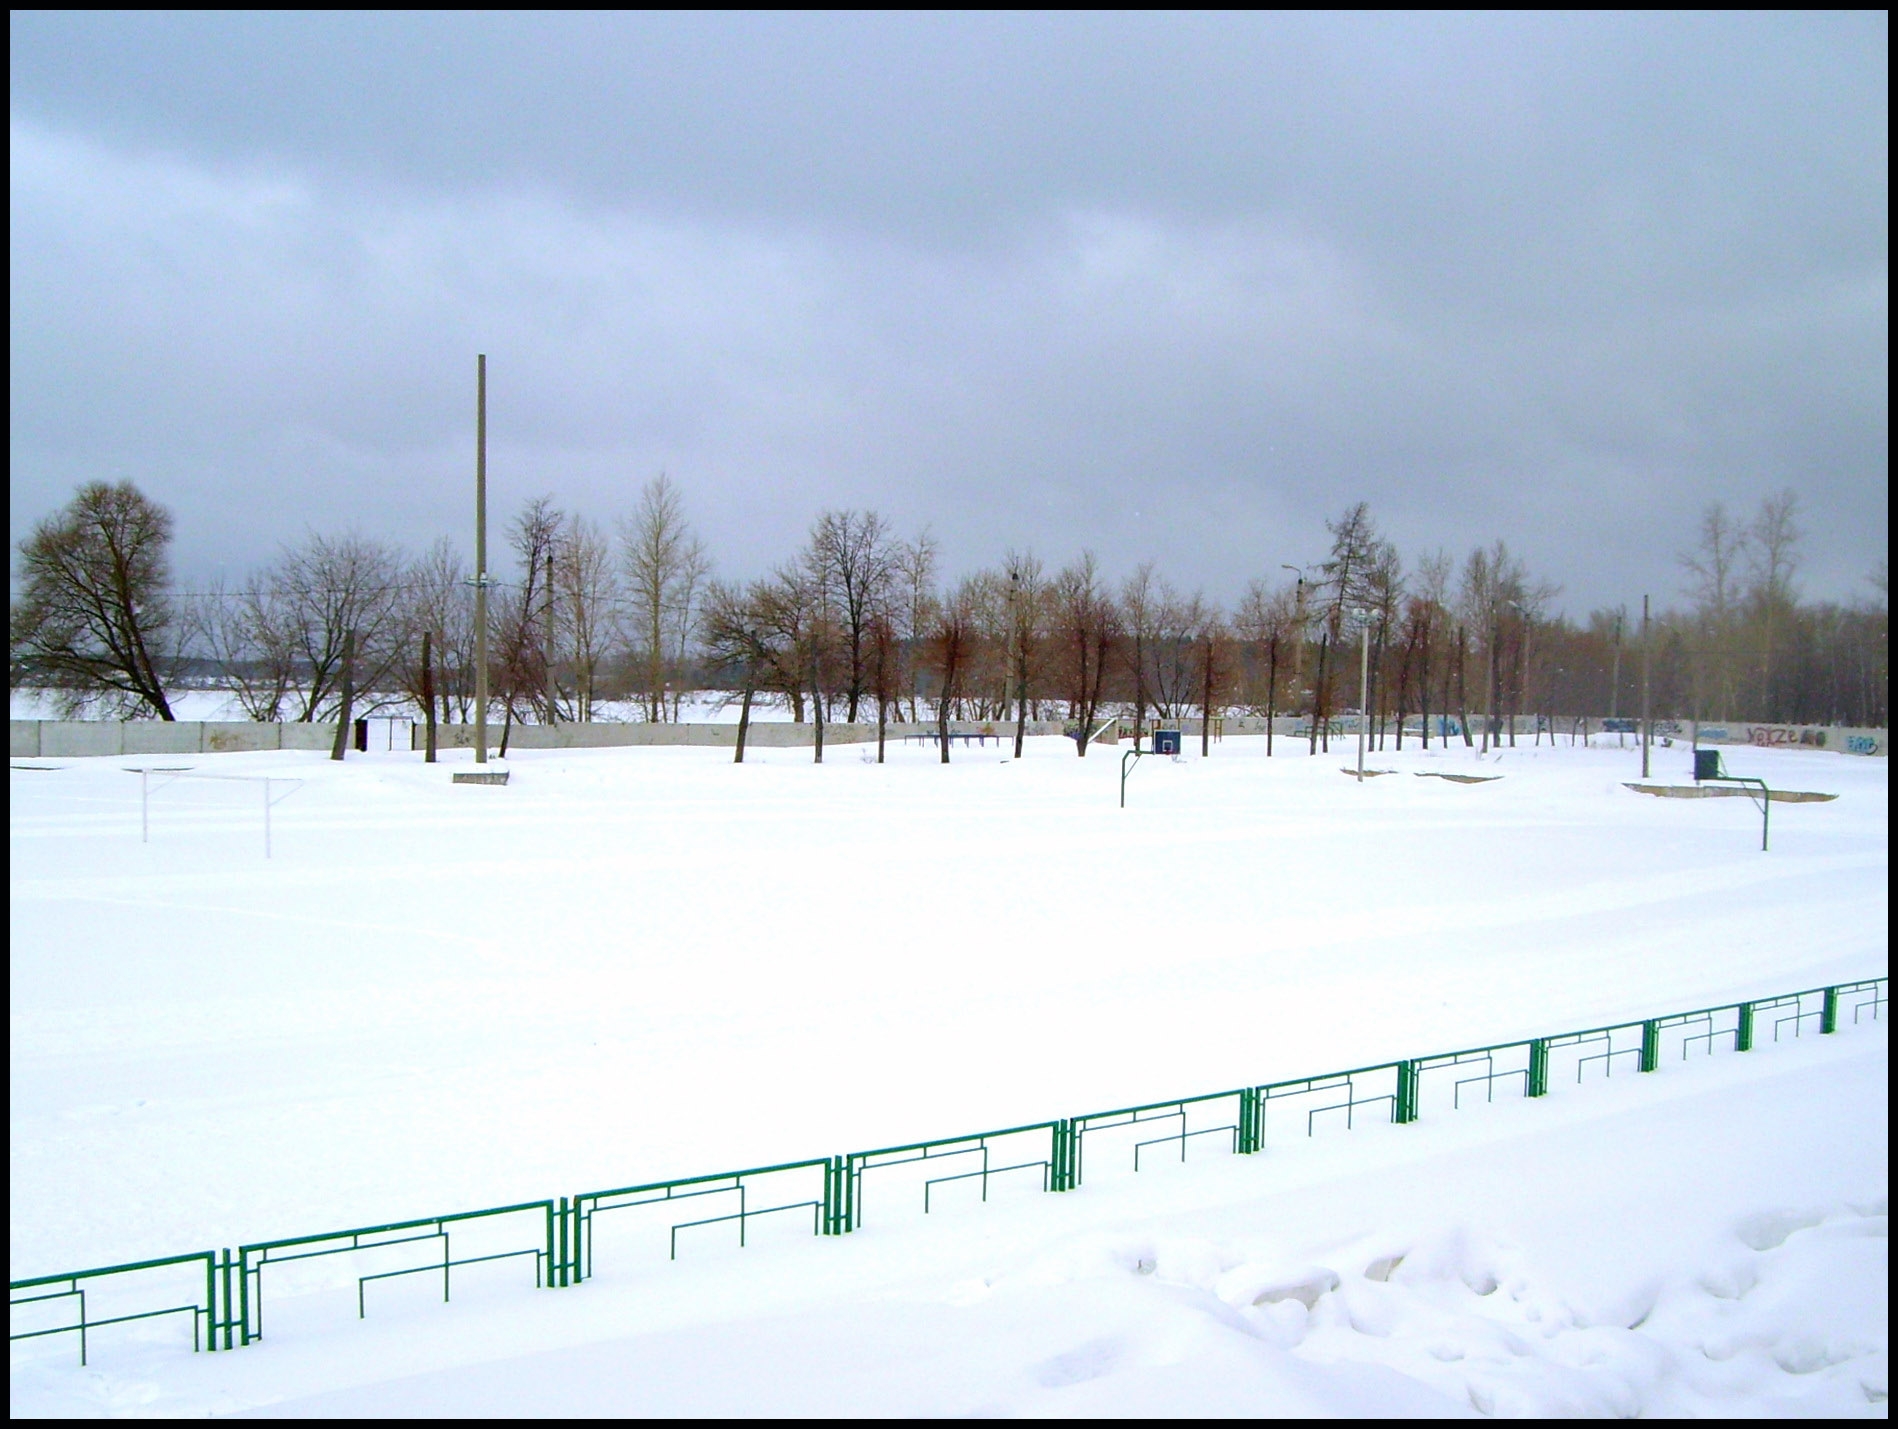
(1829, 1012)
(1650, 1045)
(243, 1296)
(1538, 1068)
(838, 1219)
(1743, 1033)
(227, 1300)
(574, 1209)
(1249, 1138)
(1404, 1108)
(1066, 1175)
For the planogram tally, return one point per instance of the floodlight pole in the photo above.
(481, 558)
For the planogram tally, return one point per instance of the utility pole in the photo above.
(1647, 722)
(481, 558)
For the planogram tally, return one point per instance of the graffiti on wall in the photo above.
(1777, 736)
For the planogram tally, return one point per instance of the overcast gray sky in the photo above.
(1165, 286)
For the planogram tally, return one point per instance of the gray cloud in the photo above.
(1166, 287)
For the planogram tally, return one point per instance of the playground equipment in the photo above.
(1164, 741)
(1709, 770)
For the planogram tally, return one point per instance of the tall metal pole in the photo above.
(1647, 722)
(481, 558)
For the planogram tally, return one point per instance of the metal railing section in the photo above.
(222, 1294)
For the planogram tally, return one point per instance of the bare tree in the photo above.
(1213, 641)
(1480, 609)
(250, 636)
(317, 592)
(687, 591)
(1085, 626)
(587, 594)
(664, 564)
(1384, 592)
(1356, 550)
(1027, 612)
(914, 602)
(1174, 662)
(855, 562)
(1714, 570)
(521, 620)
(1140, 599)
(440, 600)
(1772, 560)
(784, 610)
(885, 656)
(94, 619)
(1268, 628)
(951, 646)
(1433, 587)
(738, 632)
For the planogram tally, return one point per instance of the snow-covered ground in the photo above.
(636, 964)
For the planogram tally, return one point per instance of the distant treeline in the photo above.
(860, 624)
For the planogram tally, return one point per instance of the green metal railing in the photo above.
(223, 1294)
(433, 1231)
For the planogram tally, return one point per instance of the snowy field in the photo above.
(638, 964)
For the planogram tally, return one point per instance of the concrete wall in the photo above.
(1840, 739)
(61, 739)
(71, 738)
(764, 734)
